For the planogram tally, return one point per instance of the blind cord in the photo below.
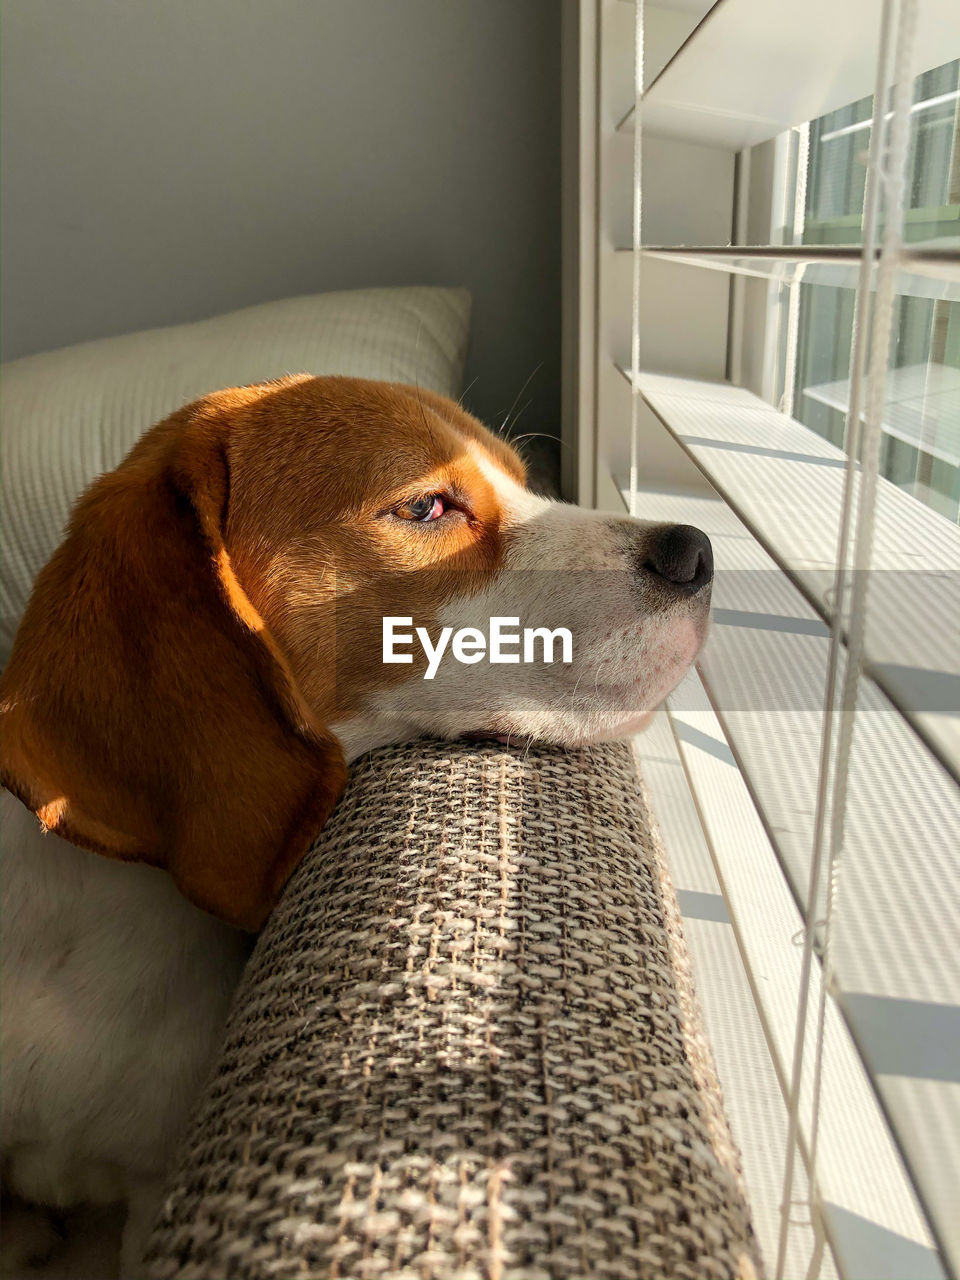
(888, 165)
(638, 28)
(852, 433)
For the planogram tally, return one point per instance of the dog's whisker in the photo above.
(529, 378)
(469, 387)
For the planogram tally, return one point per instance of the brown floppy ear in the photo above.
(147, 713)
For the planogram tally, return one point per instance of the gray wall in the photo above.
(165, 160)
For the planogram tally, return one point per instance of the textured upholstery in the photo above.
(467, 1045)
(70, 415)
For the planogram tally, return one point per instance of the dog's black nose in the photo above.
(681, 555)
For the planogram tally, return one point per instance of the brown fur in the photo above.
(212, 610)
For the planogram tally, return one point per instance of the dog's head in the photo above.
(209, 637)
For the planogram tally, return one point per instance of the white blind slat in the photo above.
(871, 1216)
(786, 483)
(926, 271)
(730, 85)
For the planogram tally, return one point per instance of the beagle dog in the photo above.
(198, 664)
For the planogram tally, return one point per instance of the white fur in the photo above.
(115, 989)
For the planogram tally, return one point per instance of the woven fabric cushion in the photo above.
(467, 1045)
(70, 415)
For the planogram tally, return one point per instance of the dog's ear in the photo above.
(147, 712)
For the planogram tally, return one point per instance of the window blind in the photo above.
(832, 679)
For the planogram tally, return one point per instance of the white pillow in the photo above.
(70, 415)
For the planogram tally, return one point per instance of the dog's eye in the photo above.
(422, 510)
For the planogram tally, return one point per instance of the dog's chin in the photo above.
(615, 731)
(617, 712)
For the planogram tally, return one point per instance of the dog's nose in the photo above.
(681, 555)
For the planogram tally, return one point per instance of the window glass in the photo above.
(921, 425)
